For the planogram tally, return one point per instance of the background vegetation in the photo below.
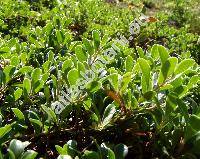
(146, 106)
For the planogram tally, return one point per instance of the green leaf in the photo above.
(14, 61)
(60, 36)
(81, 68)
(136, 68)
(166, 87)
(55, 81)
(121, 151)
(50, 56)
(108, 114)
(38, 86)
(23, 58)
(176, 82)
(183, 107)
(145, 68)
(193, 81)
(2, 78)
(11, 154)
(18, 114)
(46, 66)
(154, 52)
(18, 94)
(27, 85)
(87, 104)
(167, 69)
(181, 91)
(4, 50)
(93, 86)
(171, 103)
(126, 79)
(1, 120)
(106, 152)
(72, 144)
(17, 147)
(9, 72)
(131, 100)
(73, 76)
(88, 46)
(71, 148)
(129, 64)
(96, 37)
(193, 143)
(50, 113)
(29, 154)
(163, 53)
(33, 115)
(37, 124)
(47, 92)
(61, 151)
(194, 122)
(114, 80)
(140, 52)
(25, 69)
(4, 130)
(184, 65)
(67, 64)
(36, 75)
(45, 76)
(80, 54)
(64, 157)
(74, 44)
(90, 155)
(149, 95)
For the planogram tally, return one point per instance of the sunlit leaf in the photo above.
(184, 65)
(18, 114)
(73, 76)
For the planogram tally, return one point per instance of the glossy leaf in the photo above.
(167, 69)
(140, 52)
(36, 75)
(25, 69)
(114, 80)
(194, 122)
(108, 114)
(88, 46)
(14, 61)
(129, 64)
(90, 155)
(27, 85)
(145, 68)
(18, 94)
(4, 130)
(64, 157)
(18, 114)
(9, 72)
(184, 65)
(37, 124)
(96, 38)
(93, 86)
(80, 54)
(73, 76)
(154, 52)
(163, 53)
(17, 147)
(121, 151)
(29, 154)
(126, 79)
(50, 113)
(106, 152)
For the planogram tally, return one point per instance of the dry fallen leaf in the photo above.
(152, 19)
